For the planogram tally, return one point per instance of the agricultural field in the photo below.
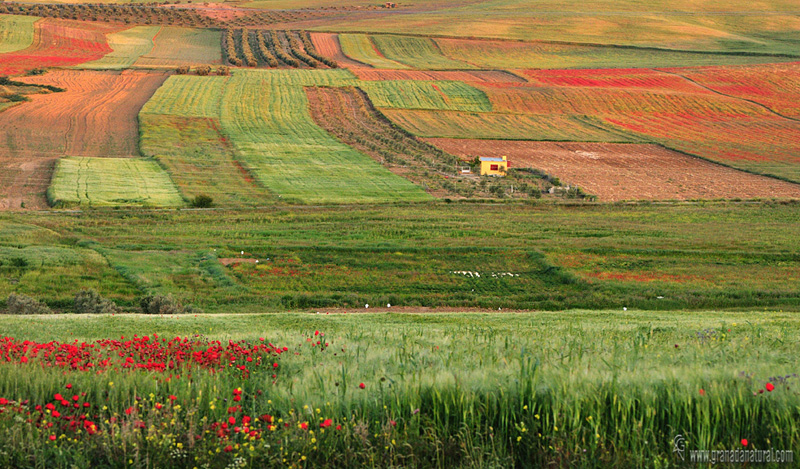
(95, 116)
(506, 126)
(693, 256)
(127, 46)
(616, 172)
(256, 233)
(111, 182)
(264, 115)
(350, 389)
(176, 47)
(59, 43)
(361, 48)
(416, 52)
(16, 32)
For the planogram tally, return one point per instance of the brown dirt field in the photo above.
(616, 172)
(96, 116)
(327, 44)
(480, 76)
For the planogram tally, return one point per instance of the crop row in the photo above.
(161, 15)
(272, 49)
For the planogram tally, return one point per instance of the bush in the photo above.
(165, 304)
(182, 70)
(21, 304)
(202, 201)
(223, 70)
(90, 302)
(203, 70)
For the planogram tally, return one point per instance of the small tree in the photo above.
(203, 70)
(90, 302)
(223, 70)
(182, 70)
(202, 201)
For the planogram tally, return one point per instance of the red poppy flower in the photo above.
(304, 425)
(228, 449)
(362, 385)
(702, 392)
(52, 437)
(338, 427)
(744, 442)
(232, 420)
(770, 387)
(327, 423)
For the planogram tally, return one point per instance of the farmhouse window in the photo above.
(493, 167)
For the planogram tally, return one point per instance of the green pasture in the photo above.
(127, 46)
(554, 55)
(361, 48)
(101, 182)
(655, 257)
(176, 46)
(417, 52)
(264, 115)
(418, 94)
(569, 389)
(16, 32)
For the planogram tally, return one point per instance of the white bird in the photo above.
(366, 306)
(624, 308)
(243, 252)
(388, 305)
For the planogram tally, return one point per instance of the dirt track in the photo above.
(96, 116)
(616, 172)
(478, 76)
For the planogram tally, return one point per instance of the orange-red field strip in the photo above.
(616, 172)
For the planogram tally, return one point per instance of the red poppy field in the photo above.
(347, 389)
(59, 43)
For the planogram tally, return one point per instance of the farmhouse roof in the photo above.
(492, 158)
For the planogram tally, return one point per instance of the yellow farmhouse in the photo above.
(493, 165)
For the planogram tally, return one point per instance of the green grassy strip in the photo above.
(112, 182)
(16, 32)
(127, 47)
(416, 94)
(361, 48)
(417, 52)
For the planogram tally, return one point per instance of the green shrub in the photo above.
(165, 304)
(90, 302)
(202, 201)
(21, 304)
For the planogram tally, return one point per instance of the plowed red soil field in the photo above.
(479, 76)
(59, 43)
(616, 172)
(96, 116)
(328, 45)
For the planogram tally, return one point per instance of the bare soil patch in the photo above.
(95, 116)
(615, 172)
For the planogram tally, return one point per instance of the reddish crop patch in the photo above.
(641, 277)
(59, 43)
(613, 78)
(627, 171)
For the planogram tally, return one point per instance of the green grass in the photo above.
(360, 47)
(200, 160)
(175, 47)
(417, 52)
(417, 94)
(694, 257)
(542, 55)
(264, 115)
(112, 182)
(16, 32)
(566, 389)
(128, 46)
(487, 125)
